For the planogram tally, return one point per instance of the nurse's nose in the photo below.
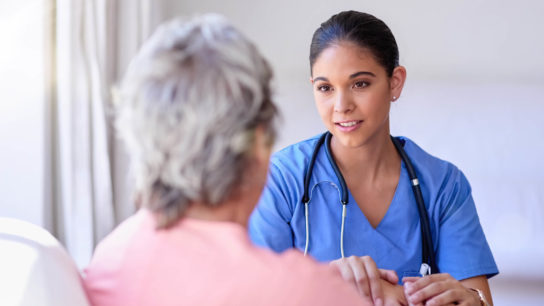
(343, 103)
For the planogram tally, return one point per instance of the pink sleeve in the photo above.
(318, 284)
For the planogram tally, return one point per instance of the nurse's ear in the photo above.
(396, 81)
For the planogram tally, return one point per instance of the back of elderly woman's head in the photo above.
(189, 106)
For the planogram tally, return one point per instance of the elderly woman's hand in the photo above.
(365, 275)
(393, 294)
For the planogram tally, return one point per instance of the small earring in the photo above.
(394, 98)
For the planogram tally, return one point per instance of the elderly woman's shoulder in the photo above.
(305, 281)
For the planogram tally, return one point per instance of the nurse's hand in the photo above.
(438, 289)
(365, 275)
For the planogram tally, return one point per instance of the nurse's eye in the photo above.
(360, 84)
(324, 88)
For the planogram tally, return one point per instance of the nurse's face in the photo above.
(353, 93)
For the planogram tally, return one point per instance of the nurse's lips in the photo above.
(348, 126)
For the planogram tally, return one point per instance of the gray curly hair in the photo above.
(188, 108)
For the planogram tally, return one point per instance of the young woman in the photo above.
(362, 199)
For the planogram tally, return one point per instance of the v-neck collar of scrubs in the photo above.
(352, 206)
(403, 176)
(358, 230)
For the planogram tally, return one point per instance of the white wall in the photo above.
(21, 110)
(468, 41)
(473, 96)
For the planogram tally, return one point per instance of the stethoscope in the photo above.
(428, 264)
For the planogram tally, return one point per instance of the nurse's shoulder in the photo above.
(428, 165)
(443, 183)
(295, 157)
(287, 169)
(269, 224)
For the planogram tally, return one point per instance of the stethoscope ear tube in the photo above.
(306, 196)
(326, 137)
(308, 176)
(339, 175)
(427, 247)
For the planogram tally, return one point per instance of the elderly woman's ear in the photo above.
(262, 146)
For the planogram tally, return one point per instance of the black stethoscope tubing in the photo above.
(428, 258)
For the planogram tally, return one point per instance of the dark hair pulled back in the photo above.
(364, 30)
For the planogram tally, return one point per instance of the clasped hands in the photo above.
(380, 287)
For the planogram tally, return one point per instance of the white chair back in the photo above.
(35, 270)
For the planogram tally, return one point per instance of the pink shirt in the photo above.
(204, 263)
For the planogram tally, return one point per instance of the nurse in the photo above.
(356, 75)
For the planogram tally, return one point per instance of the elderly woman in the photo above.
(197, 117)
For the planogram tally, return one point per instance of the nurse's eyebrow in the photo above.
(356, 74)
(352, 76)
(324, 79)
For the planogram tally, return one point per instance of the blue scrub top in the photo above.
(458, 239)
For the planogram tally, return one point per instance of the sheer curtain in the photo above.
(89, 43)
